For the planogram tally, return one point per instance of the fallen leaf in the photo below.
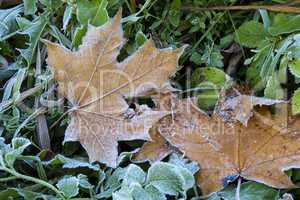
(259, 152)
(97, 86)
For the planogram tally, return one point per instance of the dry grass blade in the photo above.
(42, 127)
(273, 8)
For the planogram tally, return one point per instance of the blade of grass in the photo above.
(42, 132)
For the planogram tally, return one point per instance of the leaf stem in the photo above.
(60, 118)
(32, 179)
(238, 188)
(11, 178)
(8, 36)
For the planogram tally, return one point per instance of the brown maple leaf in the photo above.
(260, 152)
(97, 86)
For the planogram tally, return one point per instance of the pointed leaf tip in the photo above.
(119, 13)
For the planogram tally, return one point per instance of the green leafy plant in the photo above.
(162, 179)
(276, 46)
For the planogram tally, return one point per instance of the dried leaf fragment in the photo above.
(97, 86)
(234, 106)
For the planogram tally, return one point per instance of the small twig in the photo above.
(274, 8)
(8, 3)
